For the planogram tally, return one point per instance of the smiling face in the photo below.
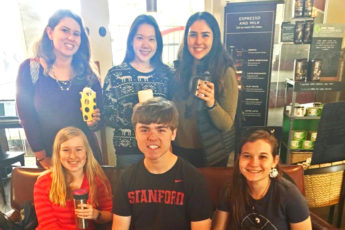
(154, 140)
(200, 39)
(65, 37)
(256, 161)
(73, 155)
(144, 44)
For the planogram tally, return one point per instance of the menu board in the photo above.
(249, 33)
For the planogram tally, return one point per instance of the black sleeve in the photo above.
(110, 104)
(296, 206)
(96, 86)
(223, 200)
(171, 82)
(199, 203)
(121, 204)
(26, 109)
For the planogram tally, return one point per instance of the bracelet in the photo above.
(212, 107)
(39, 160)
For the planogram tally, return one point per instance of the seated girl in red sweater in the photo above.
(74, 167)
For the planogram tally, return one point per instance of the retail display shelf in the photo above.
(297, 150)
(315, 85)
(302, 118)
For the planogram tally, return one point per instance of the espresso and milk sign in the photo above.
(249, 34)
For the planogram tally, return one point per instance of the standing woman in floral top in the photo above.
(142, 68)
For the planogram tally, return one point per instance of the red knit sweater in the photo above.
(53, 216)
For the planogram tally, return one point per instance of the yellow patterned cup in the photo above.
(88, 103)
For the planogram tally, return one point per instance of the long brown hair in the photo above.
(81, 62)
(60, 190)
(156, 59)
(238, 195)
(217, 61)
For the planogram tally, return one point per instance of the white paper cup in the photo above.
(144, 95)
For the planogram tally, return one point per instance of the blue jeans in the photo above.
(125, 160)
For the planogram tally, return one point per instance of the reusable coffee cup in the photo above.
(80, 196)
(295, 144)
(299, 111)
(299, 135)
(313, 111)
(313, 135)
(144, 95)
(308, 144)
(88, 103)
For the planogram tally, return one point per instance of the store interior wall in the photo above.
(335, 11)
(96, 17)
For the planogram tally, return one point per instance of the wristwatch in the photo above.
(39, 160)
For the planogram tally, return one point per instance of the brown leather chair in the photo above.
(23, 180)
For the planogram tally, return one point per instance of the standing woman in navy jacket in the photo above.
(49, 86)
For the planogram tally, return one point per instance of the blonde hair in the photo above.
(60, 191)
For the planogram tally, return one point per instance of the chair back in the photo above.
(22, 185)
(23, 180)
(323, 184)
(218, 178)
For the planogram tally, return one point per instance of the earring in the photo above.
(273, 173)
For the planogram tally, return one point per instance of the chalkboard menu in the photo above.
(249, 33)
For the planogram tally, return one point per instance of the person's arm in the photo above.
(199, 205)
(103, 214)
(43, 160)
(121, 222)
(86, 211)
(27, 112)
(45, 214)
(171, 83)
(220, 220)
(297, 209)
(96, 122)
(224, 111)
(121, 208)
(303, 225)
(201, 225)
(110, 104)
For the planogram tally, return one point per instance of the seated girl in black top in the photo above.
(258, 197)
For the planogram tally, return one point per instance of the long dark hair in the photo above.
(80, 60)
(156, 60)
(238, 192)
(216, 61)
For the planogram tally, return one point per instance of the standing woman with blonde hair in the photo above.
(49, 86)
(74, 167)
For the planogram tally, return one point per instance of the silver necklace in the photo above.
(63, 85)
